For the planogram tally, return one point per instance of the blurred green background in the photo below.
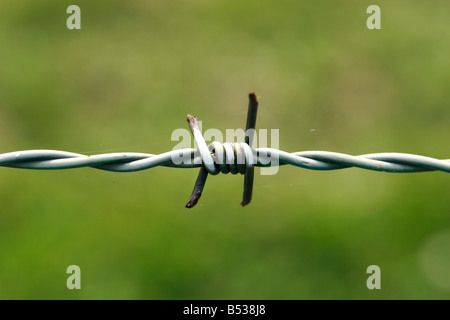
(128, 78)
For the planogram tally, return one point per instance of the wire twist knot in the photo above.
(225, 157)
(231, 158)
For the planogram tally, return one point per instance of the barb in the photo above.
(243, 152)
(225, 158)
(250, 129)
(207, 161)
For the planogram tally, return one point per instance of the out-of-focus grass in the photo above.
(127, 79)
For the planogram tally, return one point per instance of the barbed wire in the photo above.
(130, 161)
(223, 158)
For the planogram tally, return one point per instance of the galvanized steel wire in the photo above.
(131, 161)
(226, 157)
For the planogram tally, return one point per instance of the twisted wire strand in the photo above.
(222, 157)
(262, 157)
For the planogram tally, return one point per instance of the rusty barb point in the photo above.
(235, 158)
